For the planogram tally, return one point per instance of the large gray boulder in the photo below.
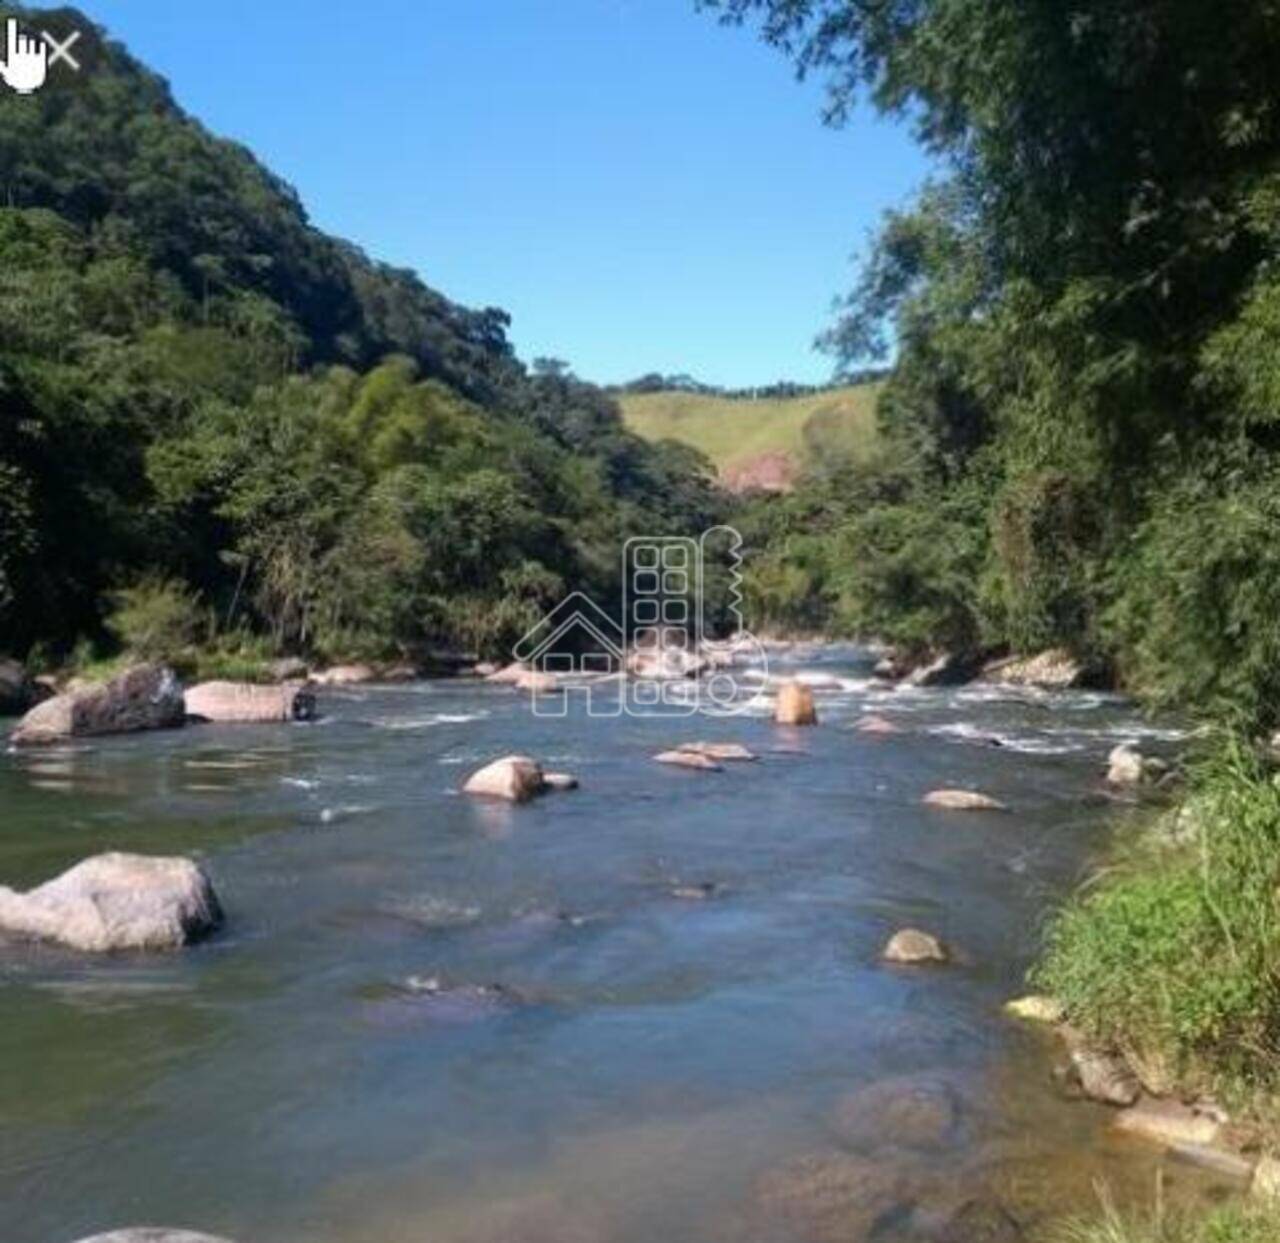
(116, 902)
(1054, 669)
(143, 697)
(153, 1234)
(515, 778)
(243, 702)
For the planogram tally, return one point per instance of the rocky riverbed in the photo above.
(655, 1005)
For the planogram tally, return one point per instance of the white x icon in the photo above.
(58, 51)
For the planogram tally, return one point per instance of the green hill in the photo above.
(763, 442)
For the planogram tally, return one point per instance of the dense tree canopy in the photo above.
(208, 405)
(1085, 308)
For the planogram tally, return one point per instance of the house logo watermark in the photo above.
(660, 659)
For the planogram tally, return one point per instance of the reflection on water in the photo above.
(649, 1008)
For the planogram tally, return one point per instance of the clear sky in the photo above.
(642, 188)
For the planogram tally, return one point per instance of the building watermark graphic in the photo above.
(662, 658)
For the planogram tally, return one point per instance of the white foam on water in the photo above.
(302, 783)
(328, 815)
(426, 722)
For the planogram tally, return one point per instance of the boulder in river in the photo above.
(831, 1197)
(153, 1234)
(244, 702)
(537, 681)
(117, 902)
(688, 759)
(346, 675)
(143, 697)
(910, 946)
(1052, 670)
(962, 800)
(949, 669)
(1127, 766)
(515, 778)
(508, 675)
(719, 751)
(875, 724)
(795, 705)
(920, 1112)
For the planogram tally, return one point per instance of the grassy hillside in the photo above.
(763, 442)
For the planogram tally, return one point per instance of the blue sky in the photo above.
(643, 189)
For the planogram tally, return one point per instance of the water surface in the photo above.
(436, 1019)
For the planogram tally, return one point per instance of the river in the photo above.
(431, 1019)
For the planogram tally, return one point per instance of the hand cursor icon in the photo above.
(27, 63)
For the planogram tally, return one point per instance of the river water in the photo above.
(437, 1020)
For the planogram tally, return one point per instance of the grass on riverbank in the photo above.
(1236, 1223)
(1172, 954)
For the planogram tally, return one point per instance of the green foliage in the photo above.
(1086, 313)
(158, 619)
(201, 392)
(1201, 888)
(1231, 1223)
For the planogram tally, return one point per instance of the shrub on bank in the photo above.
(1233, 1223)
(1173, 953)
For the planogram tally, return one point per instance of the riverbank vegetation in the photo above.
(208, 401)
(1080, 425)
(1227, 1224)
(1173, 953)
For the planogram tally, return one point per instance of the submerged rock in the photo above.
(920, 1112)
(910, 945)
(515, 778)
(117, 902)
(874, 724)
(559, 781)
(698, 892)
(795, 705)
(962, 800)
(144, 697)
(688, 759)
(835, 1197)
(245, 703)
(728, 751)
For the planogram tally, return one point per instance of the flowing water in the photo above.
(432, 1019)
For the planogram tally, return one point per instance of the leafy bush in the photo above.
(159, 619)
(1174, 953)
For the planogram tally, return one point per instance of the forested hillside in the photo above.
(220, 426)
(1080, 432)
